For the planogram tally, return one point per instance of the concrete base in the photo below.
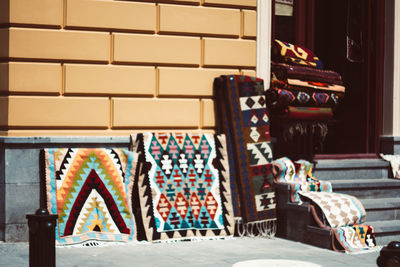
(20, 177)
(390, 144)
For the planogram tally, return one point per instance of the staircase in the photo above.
(368, 180)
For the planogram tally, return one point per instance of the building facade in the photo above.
(90, 72)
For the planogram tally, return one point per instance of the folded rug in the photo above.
(298, 176)
(309, 113)
(283, 98)
(294, 54)
(182, 187)
(394, 163)
(284, 71)
(90, 189)
(316, 85)
(343, 215)
(241, 115)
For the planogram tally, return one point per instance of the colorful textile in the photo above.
(339, 209)
(294, 54)
(242, 116)
(284, 98)
(284, 71)
(316, 85)
(394, 163)
(183, 186)
(309, 113)
(355, 238)
(299, 177)
(90, 190)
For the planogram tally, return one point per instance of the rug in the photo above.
(284, 71)
(309, 113)
(90, 190)
(355, 238)
(304, 98)
(338, 209)
(183, 187)
(316, 85)
(394, 163)
(241, 114)
(298, 175)
(293, 54)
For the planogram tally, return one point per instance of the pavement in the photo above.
(238, 252)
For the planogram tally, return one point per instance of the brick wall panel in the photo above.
(195, 20)
(24, 77)
(229, 52)
(156, 113)
(110, 80)
(156, 49)
(111, 14)
(189, 81)
(249, 23)
(46, 12)
(208, 113)
(241, 3)
(27, 111)
(59, 45)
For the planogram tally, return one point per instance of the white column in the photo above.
(264, 23)
(391, 93)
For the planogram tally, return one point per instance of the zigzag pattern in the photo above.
(90, 190)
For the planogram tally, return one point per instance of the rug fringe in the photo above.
(263, 228)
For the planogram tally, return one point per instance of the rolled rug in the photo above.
(309, 113)
(285, 71)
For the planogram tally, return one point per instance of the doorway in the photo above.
(348, 36)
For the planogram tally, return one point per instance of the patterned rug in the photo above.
(338, 209)
(182, 187)
(354, 238)
(343, 215)
(241, 115)
(90, 190)
(294, 54)
(299, 177)
(285, 71)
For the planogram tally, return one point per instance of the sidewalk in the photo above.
(201, 253)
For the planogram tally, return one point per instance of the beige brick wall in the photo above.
(109, 67)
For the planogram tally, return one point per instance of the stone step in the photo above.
(386, 231)
(368, 188)
(337, 169)
(382, 208)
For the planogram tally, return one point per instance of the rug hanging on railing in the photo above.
(90, 190)
(241, 115)
(344, 215)
(183, 187)
(298, 175)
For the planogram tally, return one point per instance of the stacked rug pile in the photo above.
(341, 214)
(302, 95)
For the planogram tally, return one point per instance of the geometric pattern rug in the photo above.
(182, 186)
(242, 116)
(90, 189)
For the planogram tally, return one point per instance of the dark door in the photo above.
(347, 35)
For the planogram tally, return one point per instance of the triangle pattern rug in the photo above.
(90, 189)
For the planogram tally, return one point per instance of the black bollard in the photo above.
(390, 255)
(42, 249)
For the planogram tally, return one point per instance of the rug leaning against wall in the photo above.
(90, 190)
(241, 114)
(182, 186)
